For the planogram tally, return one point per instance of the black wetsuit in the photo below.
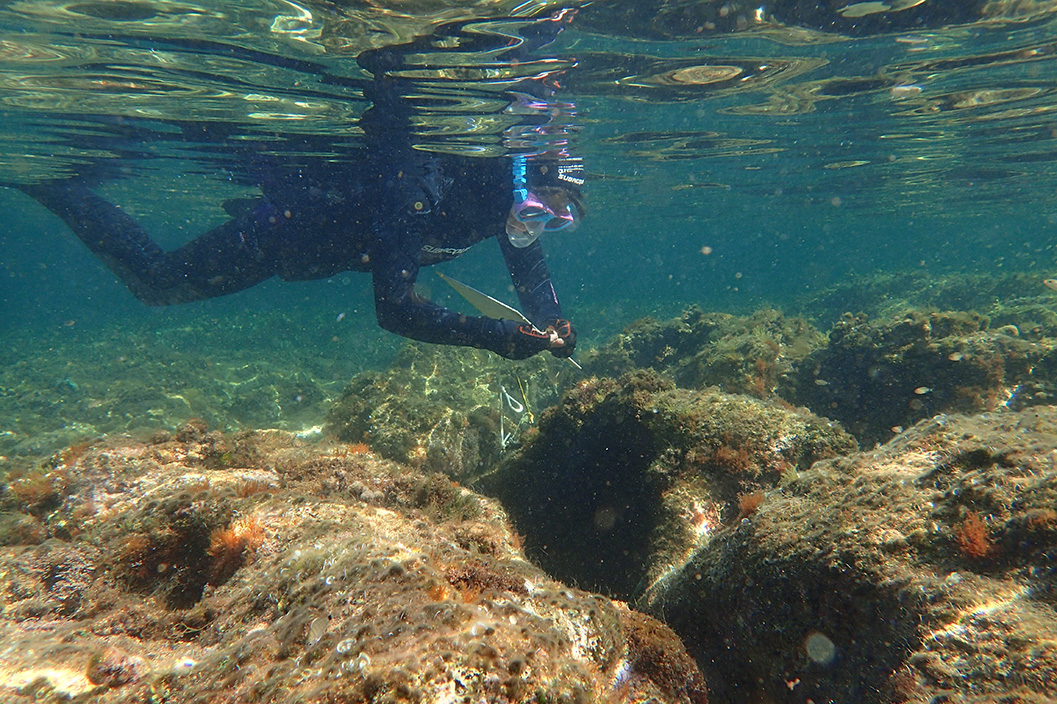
(388, 218)
(392, 212)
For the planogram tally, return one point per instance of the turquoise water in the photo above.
(739, 156)
(816, 157)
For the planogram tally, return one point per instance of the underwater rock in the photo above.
(923, 571)
(1021, 299)
(875, 374)
(649, 343)
(878, 377)
(307, 573)
(445, 409)
(627, 477)
(875, 377)
(747, 355)
(887, 294)
(59, 388)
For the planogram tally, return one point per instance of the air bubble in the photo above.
(820, 648)
(359, 664)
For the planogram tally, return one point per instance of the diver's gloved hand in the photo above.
(567, 334)
(523, 340)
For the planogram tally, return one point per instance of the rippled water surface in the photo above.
(738, 152)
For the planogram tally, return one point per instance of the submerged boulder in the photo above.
(625, 477)
(445, 409)
(878, 377)
(201, 567)
(875, 376)
(923, 571)
(745, 355)
(794, 567)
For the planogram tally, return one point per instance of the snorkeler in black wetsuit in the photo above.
(397, 210)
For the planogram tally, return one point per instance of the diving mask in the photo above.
(533, 214)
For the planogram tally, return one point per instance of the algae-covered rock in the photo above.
(875, 375)
(311, 574)
(886, 294)
(61, 387)
(746, 355)
(648, 343)
(923, 571)
(453, 410)
(879, 377)
(626, 476)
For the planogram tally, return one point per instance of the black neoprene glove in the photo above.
(567, 333)
(522, 340)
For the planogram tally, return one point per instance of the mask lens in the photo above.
(522, 234)
(530, 213)
(561, 220)
(532, 217)
(530, 208)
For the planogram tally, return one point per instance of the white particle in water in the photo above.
(819, 648)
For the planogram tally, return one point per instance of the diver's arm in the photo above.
(402, 311)
(532, 282)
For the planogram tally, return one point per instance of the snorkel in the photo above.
(546, 178)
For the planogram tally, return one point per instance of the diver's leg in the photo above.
(230, 258)
(227, 259)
